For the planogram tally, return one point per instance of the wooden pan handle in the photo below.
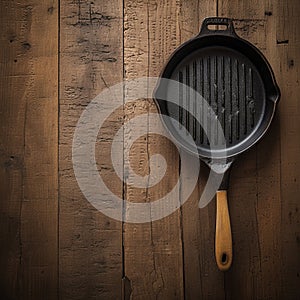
(223, 242)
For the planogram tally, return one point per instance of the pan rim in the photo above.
(272, 92)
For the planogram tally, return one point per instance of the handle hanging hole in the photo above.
(217, 27)
(224, 258)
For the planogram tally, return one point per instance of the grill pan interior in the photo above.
(234, 80)
(232, 87)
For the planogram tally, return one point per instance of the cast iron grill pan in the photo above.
(238, 84)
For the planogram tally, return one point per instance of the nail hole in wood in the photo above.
(26, 46)
(50, 10)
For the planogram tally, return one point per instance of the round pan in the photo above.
(237, 82)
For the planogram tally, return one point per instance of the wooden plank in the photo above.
(202, 278)
(260, 253)
(168, 259)
(153, 256)
(90, 243)
(288, 45)
(268, 207)
(28, 149)
(249, 275)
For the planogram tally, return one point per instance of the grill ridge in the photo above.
(230, 95)
(187, 82)
(194, 102)
(202, 93)
(180, 99)
(223, 98)
(251, 102)
(244, 77)
(209, 98)
(237, 100)
(216, 98)
(227, 84)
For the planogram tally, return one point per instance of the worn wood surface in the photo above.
(56, 56)
(265, 210)
(254, 192)
(28, 149)
(152, 251)
(90, 244)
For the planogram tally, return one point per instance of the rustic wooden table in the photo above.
(55, 57)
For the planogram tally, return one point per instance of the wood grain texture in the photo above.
(288, 70)
(152, 251)
(261, 246)
(28, 149)
(90, 244)
(73, 50)
(201, 276)
(244, 192)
